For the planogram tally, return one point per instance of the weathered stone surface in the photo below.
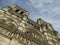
(17, 29)
(4, 40)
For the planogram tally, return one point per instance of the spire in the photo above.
(40, 21)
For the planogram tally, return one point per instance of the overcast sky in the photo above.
(48, 10)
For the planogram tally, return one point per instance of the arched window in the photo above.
(2, 20)
(12, 28)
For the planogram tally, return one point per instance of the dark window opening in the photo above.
(21, 12)
(17, 10)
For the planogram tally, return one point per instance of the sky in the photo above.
(48, 10)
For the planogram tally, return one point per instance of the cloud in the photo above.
(40, 3)
(49, 10)
(4, 3)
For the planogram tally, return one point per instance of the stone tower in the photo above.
(50, 33)
(17, 29)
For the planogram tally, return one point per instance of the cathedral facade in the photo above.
(17, 29)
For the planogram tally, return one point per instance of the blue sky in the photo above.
(48, 10)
